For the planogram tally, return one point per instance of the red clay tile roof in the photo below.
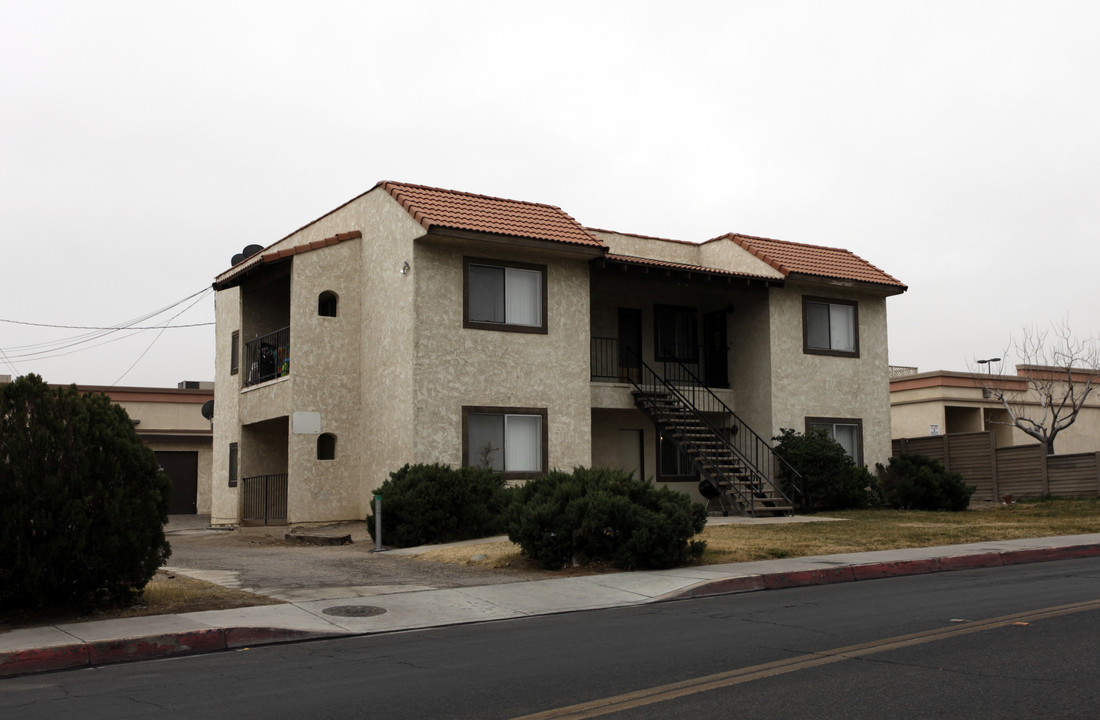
(649, 262)
(790, 257)
(434, 207)
(224, 280)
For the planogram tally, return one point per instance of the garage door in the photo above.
(183, 469)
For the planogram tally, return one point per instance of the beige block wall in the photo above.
(805, 385)
(456, 367)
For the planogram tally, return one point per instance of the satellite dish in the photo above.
(208, 410)
(250, 250)
(236, 259)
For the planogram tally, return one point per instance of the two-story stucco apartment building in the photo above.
(420, 325)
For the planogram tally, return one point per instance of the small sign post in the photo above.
(378, 523)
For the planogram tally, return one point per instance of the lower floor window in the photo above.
(673, 462)
(848, 432)
(507, 440)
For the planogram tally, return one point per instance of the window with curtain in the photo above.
(848, 433)
(830, 327)
(504, 296)
(507, 440)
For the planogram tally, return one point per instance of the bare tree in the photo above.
(1058, 371)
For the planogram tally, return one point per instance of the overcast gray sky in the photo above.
(956, 145)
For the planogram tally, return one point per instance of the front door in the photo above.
(716, 373)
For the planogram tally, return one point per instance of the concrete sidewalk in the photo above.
(368, 610)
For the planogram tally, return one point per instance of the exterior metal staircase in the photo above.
(736, 466)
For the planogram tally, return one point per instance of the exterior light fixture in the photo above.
(405, 268)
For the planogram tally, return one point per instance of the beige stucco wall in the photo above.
(805, 385)
(914, 409)
(354, 369)
(456, 367)
(223, 499)
(728, 255)
(723, 254)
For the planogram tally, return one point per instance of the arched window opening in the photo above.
(326, 446)
(326, 304)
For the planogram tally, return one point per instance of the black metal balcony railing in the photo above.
(267, 357)
(613, 361)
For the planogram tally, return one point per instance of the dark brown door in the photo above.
(717, 352)
(183, 469)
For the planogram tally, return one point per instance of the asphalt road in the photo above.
(1011, 642)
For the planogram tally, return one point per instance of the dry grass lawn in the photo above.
(855, 531)
(163, 595)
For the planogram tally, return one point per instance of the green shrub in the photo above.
(601, 515)
(830, 478)
(82, 501)
(424, 504)
(917, 482)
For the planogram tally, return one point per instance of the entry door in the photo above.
(630, 452)
(183, 469)
(717, 352)
(630, 343)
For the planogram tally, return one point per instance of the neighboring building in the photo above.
(170, 423)
(420, 325)
(944, 402)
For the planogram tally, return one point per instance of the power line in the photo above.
(106, 327)
(51, 349)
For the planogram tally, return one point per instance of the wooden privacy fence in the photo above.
(1016, 470)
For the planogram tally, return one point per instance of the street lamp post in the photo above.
(988, 367)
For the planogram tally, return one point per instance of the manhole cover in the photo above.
(354, 610)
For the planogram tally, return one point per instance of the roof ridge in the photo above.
(387, 184)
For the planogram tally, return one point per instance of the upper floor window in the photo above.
(675, 334)
(507, 440)
(326, 304)
(830, 326)
(506, 296)
(848, 432)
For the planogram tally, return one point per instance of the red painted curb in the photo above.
(60, 657)
(106, 652)
(236, 638)
(873, 571)
(725, 586)
(1019, 557)
(803, 578)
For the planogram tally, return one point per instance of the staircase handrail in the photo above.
(793, 477)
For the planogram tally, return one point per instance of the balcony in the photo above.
(613, 361)
(267, 357)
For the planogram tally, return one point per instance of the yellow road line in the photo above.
(661, 693)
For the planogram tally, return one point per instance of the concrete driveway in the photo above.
(262, 561)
